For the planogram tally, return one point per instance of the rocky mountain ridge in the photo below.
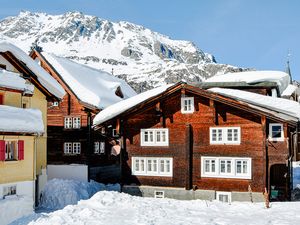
(142, 57)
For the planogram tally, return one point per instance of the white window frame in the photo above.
(68, 148)
(159, 194)
(68, 122)
(12, 155)
(143, 163)
(233, 173)
(96, 147)
(114, 133)
(184, 100)
(271, 125)
(76, 148)
(224, 135)
(218, 193)
(76, 122)
(154, 141)
(102, 147)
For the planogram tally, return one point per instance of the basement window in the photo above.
(222, 196)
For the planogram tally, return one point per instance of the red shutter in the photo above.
(20, 150)
(2, 150)
(1, 99)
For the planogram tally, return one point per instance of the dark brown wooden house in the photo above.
(185, 142)
(88, 91)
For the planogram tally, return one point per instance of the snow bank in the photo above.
(251, 77)
(285, 106)
(120, 107)
(44, 78)
(15, 207)
(92, 86)
(14, 81)
(14, 119)
(115, 208)
(58, 192)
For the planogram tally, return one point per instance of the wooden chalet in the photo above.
(182, 138)
(71, 138)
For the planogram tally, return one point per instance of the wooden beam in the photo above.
(189, 157)
(118, 126)
(265, 152)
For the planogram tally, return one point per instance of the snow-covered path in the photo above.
(113, 208)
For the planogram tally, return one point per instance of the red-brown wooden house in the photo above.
(185, 142)
(70, 136)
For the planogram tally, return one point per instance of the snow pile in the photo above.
(44, 78)
(58, 192)
(118, 108)
(90, 85)
(15, 207)
(289, 90)
(14, 119)
(251, 77)
(281, 105)
(118, 208)
(14, 81)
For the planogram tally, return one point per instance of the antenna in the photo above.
(288, 69)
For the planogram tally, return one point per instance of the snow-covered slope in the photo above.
(138, 55)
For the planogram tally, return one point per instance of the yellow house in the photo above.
(25, 89)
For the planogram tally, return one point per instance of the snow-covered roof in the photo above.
(14, 119)
(284, 106)
(251, 77)
(14, 81)
(90, 85)
(44, 78)
(289, 90)
(118, 108)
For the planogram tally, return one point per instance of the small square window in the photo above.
(68, 122)
(68, 148)
(76, 122)
(223, 196)
(76, 147)
(187, 105)
(276, 132)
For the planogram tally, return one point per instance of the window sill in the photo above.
(11, 161)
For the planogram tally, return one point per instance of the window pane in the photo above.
(154, 165)
(220, 135)
(163, 136)
(206, 164)
(228, 166)
(149, 165)
(146, 138)
(151, 136)
(245, 167)
(222, 166)
(213, 166)
(142, 165)
(238, 166)
(236, 135)
(158, 136)
(214, 135)
(276, 131)
(229, 134)
(102, 147)
(167, 165)
(137, 165)
(162, 166)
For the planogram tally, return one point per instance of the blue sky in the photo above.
(254, 33)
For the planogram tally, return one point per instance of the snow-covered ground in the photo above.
(113, 208)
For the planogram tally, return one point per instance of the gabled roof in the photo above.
(92, 87)
(13, 81)
(26, 65)
(19, 120)
(262, 105)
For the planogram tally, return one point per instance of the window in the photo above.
(155, 137)
(99, 147)
(114, 133)
(159, 194)
(225, 135)
(276, 132)
(151, 166)
(68, 148)
(72, 122)
(223, 196)
(11, 150)
(76, 122)
(9, 190)
(187, 104)
(68, 122)
(226, 167)
(76, 147)
(2, 66)
(72, 148)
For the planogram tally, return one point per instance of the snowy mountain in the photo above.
(138, 55)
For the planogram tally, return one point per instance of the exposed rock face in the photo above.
(140, 56)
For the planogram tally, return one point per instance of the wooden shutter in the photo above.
(20, 150)
(1, 99)
(2, 150)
